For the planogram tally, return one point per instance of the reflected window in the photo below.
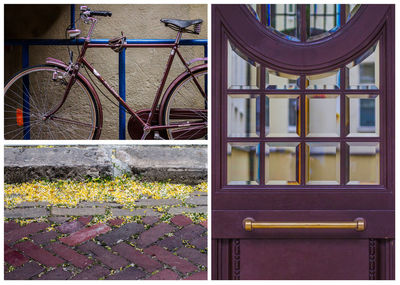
(324, 19)
(243, 116)
(279, 80)
(328, 80)
(243, 72)
(362, 115)
(243, 163)
(363, 72)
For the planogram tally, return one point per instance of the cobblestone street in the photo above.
(73, 243)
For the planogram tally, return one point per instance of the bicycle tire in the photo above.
(188, 105)
(78, 118)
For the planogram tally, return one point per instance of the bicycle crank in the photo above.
(135, 128)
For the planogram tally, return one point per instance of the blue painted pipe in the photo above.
(122, 94)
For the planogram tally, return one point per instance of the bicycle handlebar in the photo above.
(100, 13)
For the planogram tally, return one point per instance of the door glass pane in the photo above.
(282, 163)
(323, 115)
(362, 115)
(282, 115)
(243, 72)
(243, 163)
(323, 163)
(328, 80)
(243, 115)
(351, 10)
(364, 163)
(322, 20)
(279, 80)
(363, 72)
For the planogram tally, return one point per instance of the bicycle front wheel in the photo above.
(186, 108)
(34, 92)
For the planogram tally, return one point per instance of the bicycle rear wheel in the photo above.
(186, 104)
(34, 92)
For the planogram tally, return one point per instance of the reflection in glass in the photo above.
(282, 163)
(243, 72)
(351, 10)
(328, 80)
(323, 115)
(243, 163)
(323, 163)
(364, 163)
(324, 19)
(363, 72)
(362, 115)
(279, 80)
(282, 115)
(280, 18)
(243, 115)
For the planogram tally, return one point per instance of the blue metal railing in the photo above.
(121, 64)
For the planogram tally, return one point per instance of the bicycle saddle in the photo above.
(181, 25)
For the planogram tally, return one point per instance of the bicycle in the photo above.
(56, 101)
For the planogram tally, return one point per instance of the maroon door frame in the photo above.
(231, 204)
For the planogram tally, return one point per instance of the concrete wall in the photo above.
(144, 67)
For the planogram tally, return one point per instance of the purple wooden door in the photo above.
(303, 141)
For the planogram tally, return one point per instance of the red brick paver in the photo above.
(13, 257)
(21, 232)
(166, 274)
(94, 273)
(115, 222)
(172, 260)
(198, 276)
(70, 255)
(153, 234)
(85, 234)
(181, 220)
(137, 257)
(39, 254)
(25, 272)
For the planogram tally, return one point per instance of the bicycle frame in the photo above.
(147, 127)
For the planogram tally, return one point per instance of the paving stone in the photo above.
(70, 255)
(198, 193)
(204, 223)
(25, 213)
(180, 210)
(13, 257)
(197, 200)
(136, 212)
(138, 258)
(93, 273)
(171, 242)
(21, 232)
(77, 211)
(56, 274)
(33, 204)
(85, 234)
(200, 242)
(39, 254)
(25, 272)
(93, 204)
(167, 257)
(44, 238)
(122, 233)
(115, 222)
(181, 220)
(166, 274)
(10, 226)
(112, 260)
(198, 276)
(84, 220)
(130, 273)
(58, 220)
(193, 255)
(70, 227)
(150, 220)
(157, 202)
(152, 235)
(190, 232)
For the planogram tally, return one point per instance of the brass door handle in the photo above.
(358, 224)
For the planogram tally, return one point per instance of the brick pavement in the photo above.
(116, 250)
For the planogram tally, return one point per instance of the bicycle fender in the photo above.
(63, 65)
(172, 85)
